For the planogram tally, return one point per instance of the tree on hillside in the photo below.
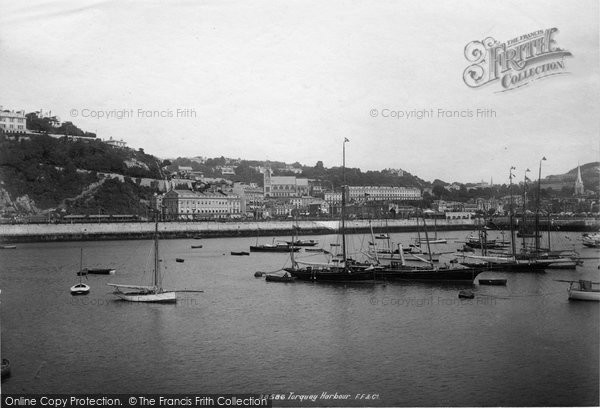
(438, 191)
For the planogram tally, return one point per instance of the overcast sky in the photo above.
(288, 80)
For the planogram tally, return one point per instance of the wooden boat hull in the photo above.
(8, 246)
(80, 289)
(97, 271)
(242, 253)
(261, 248)
(301, 243)
(196, 246)
(331, 274)
(276, 278)
(591, 244)
(584, 295)
(144, 297)
(434, 241)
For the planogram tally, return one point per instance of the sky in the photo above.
(289, 80)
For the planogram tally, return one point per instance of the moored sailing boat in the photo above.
(153, 293)
(526, 260)
(584, 290)
(80, 288)
(346, 270)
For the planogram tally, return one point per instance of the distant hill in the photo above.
(590, 173)
(245, 172)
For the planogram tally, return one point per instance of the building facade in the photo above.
(13, 121)
(192, 205)
(383, 193)
(121, 144)
(284, 186)
(252, 196)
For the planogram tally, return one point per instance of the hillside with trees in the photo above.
(48, 170)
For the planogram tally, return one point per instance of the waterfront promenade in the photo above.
(208, 229)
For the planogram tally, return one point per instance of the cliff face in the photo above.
(20, 205)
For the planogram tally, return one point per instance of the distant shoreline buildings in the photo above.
(15, 122)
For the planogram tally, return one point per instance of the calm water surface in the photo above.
(412, 344)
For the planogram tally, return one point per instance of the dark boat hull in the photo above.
(273, 249)
(301, 243)
(429, 274)
(96, 271)
(275, 278)
(241, 253)
(331, 274)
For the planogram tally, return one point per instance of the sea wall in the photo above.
(145, 230)
(208, 229)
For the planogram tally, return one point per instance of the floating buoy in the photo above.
(259, 274)
(179, 259)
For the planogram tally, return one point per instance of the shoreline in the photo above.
(21, 233)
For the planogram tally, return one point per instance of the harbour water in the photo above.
(396, 343)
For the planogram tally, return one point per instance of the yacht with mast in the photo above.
(153, 293)
(344, 270)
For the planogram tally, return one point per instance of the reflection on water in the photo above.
(410, 343)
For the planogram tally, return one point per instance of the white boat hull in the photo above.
(584, 295)
(80, 289)
(163, 297)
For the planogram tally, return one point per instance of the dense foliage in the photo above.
(115, 197)
(49, 170)
(93, 155)
(47, 125)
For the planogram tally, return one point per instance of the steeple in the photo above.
(578, 182)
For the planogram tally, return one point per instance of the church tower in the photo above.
(578, 183)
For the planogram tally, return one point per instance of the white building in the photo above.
(189, 205)
(227, 170)
(13, 121)
(383, 193)
(251, 195)
(284, 186)
(116, 143)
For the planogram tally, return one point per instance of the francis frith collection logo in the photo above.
(514, 63)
